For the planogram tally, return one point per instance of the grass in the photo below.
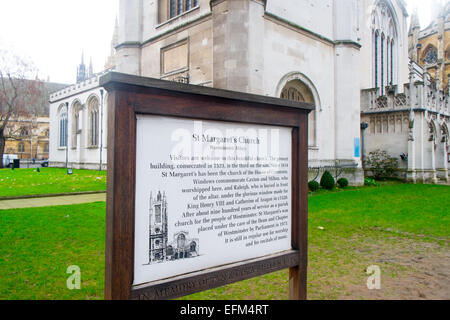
(38, 245)
(21, 182)
(418, 209)
(348, 231)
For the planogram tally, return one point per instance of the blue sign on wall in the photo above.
(357, 147)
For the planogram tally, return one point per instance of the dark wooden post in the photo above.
(120, 188)
(298, 274)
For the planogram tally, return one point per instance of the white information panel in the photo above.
(209, 194)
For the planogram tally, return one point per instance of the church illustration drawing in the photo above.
(160, 249)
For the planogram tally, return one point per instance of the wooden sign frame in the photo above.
(129, 96)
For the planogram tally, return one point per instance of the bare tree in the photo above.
(19, 96)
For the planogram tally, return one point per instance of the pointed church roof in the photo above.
(81, 70)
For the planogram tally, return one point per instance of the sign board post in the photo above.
(206, 187)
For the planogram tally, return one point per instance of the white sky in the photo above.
(54, 33)
(424, 9)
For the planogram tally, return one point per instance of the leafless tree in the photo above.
(18, 94)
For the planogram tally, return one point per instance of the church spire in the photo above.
(81, 72)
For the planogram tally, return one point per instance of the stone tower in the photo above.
(158, 235)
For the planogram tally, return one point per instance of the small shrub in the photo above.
(369, 182)
(327, 181)
(381, 164)
(343, 183)
(313, 186)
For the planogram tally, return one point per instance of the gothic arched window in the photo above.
(63, 127)
(391, 82)
(377, 36)
(296, 90)
(382, 64)
(384, 28)
(430, 55)
(158, 214)
(93, 111)
(21, 148)
(24, 132)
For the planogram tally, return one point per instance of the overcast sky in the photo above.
(54, 33)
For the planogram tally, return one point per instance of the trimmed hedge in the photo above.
(313, 186)
(343, 183)
(327, 181)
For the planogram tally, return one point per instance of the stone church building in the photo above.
(320, 52)
(160, 249)
(343, 56)
(411, 118)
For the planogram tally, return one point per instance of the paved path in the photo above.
(51, 201)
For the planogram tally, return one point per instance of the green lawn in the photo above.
(20, 182)
(37, 245)
(348, 231)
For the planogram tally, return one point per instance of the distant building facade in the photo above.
(28, 136)
(31, 137)
(79, 126)
(83, 73)
(430, 47)
(410, 120)
(78, 118)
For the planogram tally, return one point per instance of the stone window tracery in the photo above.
(296, 90)
(63, 128)
(93, 111)
(430, 55)
(21, 147)
(384, 30)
